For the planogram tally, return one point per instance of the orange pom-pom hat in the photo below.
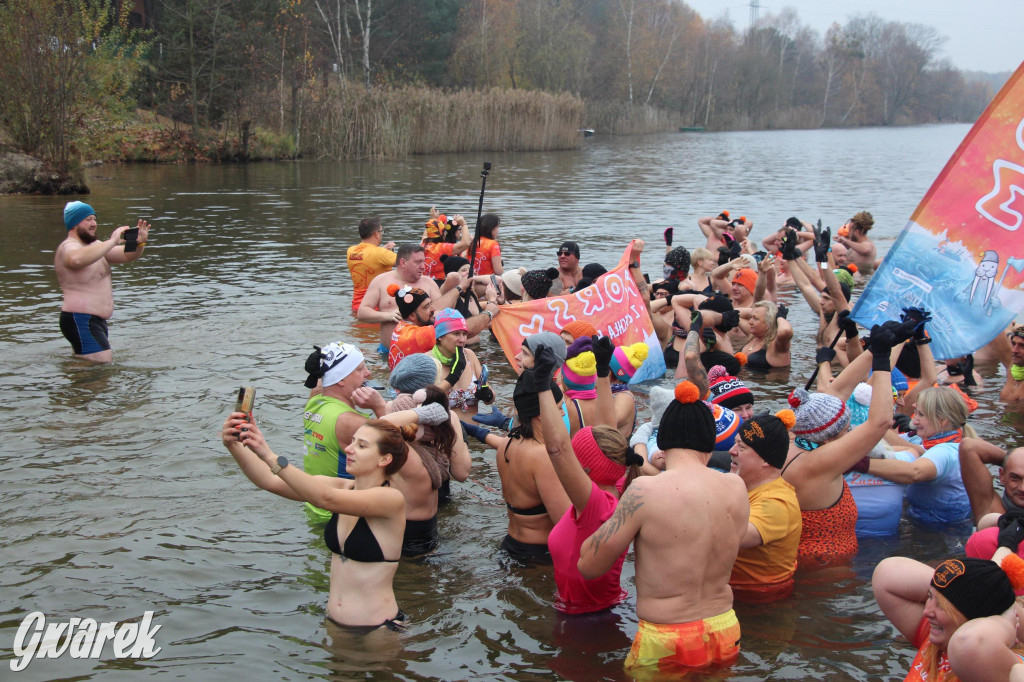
(688, 422)
(788, 417)
(687, 392)
(741, 357)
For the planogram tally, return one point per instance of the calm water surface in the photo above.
(118, 497)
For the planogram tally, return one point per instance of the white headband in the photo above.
(338, 361)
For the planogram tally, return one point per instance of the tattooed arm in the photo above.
(695, 371)
(612, 539)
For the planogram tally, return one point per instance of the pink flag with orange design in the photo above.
(961, 255)
(613, 305)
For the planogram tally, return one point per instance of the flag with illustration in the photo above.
(961, 255)
(612, 304)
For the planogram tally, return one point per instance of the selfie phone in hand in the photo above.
(246, 396)
(494, 283)
(131, 239)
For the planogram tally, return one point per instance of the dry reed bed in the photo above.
(392, 123)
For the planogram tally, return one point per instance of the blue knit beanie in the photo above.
(75, 212)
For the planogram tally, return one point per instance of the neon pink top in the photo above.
(575, 594)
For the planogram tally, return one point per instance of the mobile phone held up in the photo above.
(246, 396)
(131, 239)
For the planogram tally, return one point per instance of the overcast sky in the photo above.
(982, 35)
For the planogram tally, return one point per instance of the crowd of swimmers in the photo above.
(720, 500)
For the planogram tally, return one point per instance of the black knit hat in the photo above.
(594, 270)
(408, 298)
(453, 263)
(768, 436)
(687, 422)
(679, 259)
(537, 283)
(976, 587)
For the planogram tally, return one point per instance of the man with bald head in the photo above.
(975, 453)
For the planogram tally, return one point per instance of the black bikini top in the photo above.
(360, 545)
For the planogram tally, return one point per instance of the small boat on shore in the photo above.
(587, 132)
(691, 129)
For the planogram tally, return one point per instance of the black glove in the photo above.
(901, 422)
(696, 321)
(668, 235)
(783, 312)
(880, 344)
(789, 250)
(1011, 529)
(901, 330)
(478, 432)
(458, 367)
(735, 248)
(484, 394)
(915, 318)
(822, 243)
(723, 255)
(730, 320)
(538, 378)
(603, 350)
(708, 335)
(825, 354)
(848, 326)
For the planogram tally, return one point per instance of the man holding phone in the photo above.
(83, 272)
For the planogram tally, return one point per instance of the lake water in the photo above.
(118, 497)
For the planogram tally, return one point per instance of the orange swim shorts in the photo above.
(678, 646)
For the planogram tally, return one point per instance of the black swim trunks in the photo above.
(87, 333)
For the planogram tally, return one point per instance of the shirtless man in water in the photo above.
(687, 524)
(854, 236)
(83, 272)
(380, 307)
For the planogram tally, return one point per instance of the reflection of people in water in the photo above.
(986, 275)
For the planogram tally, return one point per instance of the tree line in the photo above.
(288, 65)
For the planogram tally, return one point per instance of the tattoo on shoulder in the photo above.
(628, 506)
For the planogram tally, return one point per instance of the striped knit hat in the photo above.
(727, 423)
(819, 417)
(579, 373)
(726, 390)
(626, 360)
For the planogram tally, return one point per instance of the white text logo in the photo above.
(82, 638)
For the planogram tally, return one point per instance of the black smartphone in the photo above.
(131, 239)
(494, 283)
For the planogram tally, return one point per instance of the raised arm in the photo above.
(570, 473)
(76, 257)
(249, 462)
(612, 539)
(119, 255)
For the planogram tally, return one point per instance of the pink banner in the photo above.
(613, 305)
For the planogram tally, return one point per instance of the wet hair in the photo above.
(406, 250)
(368, 227)
(488, 222)
(863, 220)
(942, 403)
(444, 434)
(771, 318)
(616, 448)
(394, 441)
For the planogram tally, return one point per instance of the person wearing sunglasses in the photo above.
(569, 271)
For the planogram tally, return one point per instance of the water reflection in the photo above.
(119, 498)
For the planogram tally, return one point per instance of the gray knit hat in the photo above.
(553, 341)
(820, 417)
(413, 372)
(660, 398)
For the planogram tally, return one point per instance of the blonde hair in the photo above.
(945, 404)
(615, 447)
(771, 318)
(931, 655)
(700, 253)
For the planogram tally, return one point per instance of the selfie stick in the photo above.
(479, 215)
(815, 374)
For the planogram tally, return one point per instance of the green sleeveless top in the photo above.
(324, 455)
